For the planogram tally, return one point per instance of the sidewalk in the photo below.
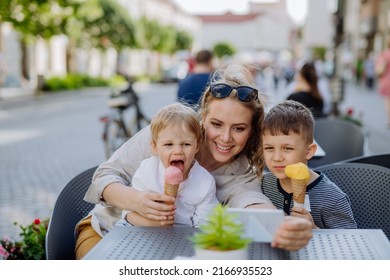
(15, 92)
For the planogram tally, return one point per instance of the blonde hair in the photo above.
(178, 116)
(235, 75)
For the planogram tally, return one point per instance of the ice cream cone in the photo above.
(299, 190)
(299, 175)
(172, 180)
(171, 190)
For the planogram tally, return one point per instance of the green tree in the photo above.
(87, 23)
(155, 37)
(37, 19)
(319, 52)
(105, 23)
(223, 49)
(183, 40)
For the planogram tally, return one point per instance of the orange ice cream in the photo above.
(299, 175)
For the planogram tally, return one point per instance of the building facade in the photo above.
(48, 58)
(266, 27)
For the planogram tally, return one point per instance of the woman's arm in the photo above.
(111, 181)
(137, 220)
(148, 204)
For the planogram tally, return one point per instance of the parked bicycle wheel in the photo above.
(116, 131)
(114, 135)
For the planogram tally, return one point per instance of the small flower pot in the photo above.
(207, 254)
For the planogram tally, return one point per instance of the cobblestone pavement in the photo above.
(44, 142)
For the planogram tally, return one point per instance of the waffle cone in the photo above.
(299, 190)
(171, 189)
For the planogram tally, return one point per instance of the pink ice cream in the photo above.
(173, 175)
(173, 178)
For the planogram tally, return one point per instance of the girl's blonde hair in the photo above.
(180, 117)
(239, 75)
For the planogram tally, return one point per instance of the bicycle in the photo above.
(115, 130)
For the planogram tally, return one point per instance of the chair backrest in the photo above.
(339, 139)
(68, 210)
(368, 188)
(378, 159)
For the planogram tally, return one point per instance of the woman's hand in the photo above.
(152, 206)
(137, 220)
(293, 234)
(148, 204)
(303, 213)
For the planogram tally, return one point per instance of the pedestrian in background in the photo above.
(359, 69)
(192, 86)
(369, 71)
(383, 62)
(306, 90)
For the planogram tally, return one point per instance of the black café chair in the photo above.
(368, 188)
(377, 159)
(339, 139)
(68, 210)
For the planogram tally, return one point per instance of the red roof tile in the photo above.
(228, 17)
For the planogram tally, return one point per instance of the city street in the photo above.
(47, 140)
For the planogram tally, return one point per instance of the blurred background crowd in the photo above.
(158, 39)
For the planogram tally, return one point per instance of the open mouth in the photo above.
(179, 164)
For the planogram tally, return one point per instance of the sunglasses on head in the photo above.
(244, 93)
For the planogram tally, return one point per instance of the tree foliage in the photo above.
(106, 23)
(38, 18)
(166, 39)
(222, 49)
(183, 40)
(92, 23)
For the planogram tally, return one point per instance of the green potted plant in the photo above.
(221, 237)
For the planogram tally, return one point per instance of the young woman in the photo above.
(232, 115)
(306, 90)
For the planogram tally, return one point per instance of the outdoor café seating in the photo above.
(69, 209)
(367, 186)
(377, 159)
(339, 139)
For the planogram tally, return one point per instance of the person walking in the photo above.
(383, 62)
(306, 90)
(369, 72)
(192, 87)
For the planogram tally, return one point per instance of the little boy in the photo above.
(176, 138)
(288, 139)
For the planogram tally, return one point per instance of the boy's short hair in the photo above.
(180, 117)
(290, 116)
